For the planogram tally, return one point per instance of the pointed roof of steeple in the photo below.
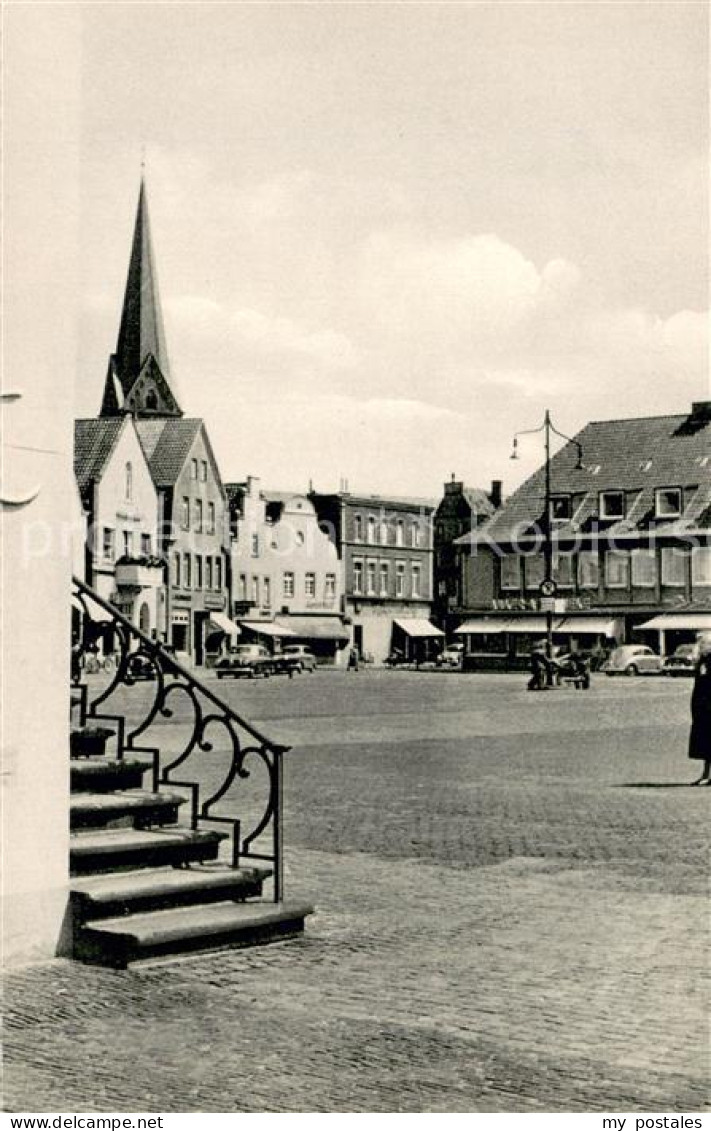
(139, 368)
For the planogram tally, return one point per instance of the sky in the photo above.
(390, 235)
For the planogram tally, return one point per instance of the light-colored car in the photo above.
(250, 660)
(683, 661)
(633, 659)
(451, 656)
(299, 657)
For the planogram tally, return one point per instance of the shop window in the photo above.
(673, 567)
(617, 569)
(644, 568)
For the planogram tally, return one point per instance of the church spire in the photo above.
(138, 380)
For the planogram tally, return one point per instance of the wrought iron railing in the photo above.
(138, 658)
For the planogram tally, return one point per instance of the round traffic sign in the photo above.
(548, 587)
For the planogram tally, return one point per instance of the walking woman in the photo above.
(700, 737)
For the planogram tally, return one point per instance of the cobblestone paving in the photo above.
(506, 922)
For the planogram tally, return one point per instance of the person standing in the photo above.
(353, 660)
(700, 736)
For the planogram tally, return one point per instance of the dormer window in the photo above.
(668, 502)
(561, 508)
(612, 504)
(151, 401)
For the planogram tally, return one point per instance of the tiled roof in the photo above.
(377, 500)
(478, 500)
(167, 445)
(94, 441)
(635, 456)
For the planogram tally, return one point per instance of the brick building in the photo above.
(631, 532)
(461, 510)
(385, 547)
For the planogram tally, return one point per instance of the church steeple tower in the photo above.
(138, 380)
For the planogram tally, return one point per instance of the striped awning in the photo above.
(418, 626)
(698, 622)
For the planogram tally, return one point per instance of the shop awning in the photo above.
(481, 627)
(594, 626)
(95, 612)
(223, 624)
(418, 626)
(266, 628)
(532, 625)
(689, 621)
(314, 628)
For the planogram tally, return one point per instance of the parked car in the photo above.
(295, 658)
(633, 659)
(451, 656)
(250, 660)
(681, 662)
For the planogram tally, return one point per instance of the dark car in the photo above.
(250, 660)
(681, 662)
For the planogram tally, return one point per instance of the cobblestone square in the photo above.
(512, 915)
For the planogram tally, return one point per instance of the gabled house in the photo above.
(630, 520)
(461, 510)
(120, 502)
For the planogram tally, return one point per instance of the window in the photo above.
(400, 533)
(243, 587)
(218, 573)
(358, 528)
(330, 591)
(416, 579)
(617, 569)
(185, 516)
(198, 516)
(176, 570)
(668, 502)
(255, 590)
(357, 578)
(129, 482)
(644, 568)
(208, 573)
(310, 584)
(203, 470)
(288, 585)
(187, 571)
(193, 468)
(371, 529)
(267, 590)
(255, 545)
(701, 565)
(511, 572)
(561, 508)
(400, 579)
(370, 579)
(384, 579)
(210, 518)
(383, 532)
(612, 504)
(146, 545)
(534, 570)
(563, 570)
(151, 400)
(127, 543)
(108, 544)
(588, 570)
(673, 566)
(198, 572)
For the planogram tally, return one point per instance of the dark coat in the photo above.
(700, 737)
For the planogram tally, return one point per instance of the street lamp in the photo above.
(548, 585)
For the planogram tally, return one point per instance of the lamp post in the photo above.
(548, 586)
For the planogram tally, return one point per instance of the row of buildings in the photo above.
(197, 562)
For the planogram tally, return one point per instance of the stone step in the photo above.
(89, 741)
(154, 889)
(109, 850)
(134, 808)
(99, 775)
(118, 942)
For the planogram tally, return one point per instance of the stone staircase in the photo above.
(144, 886)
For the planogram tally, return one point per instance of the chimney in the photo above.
(495, 494)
